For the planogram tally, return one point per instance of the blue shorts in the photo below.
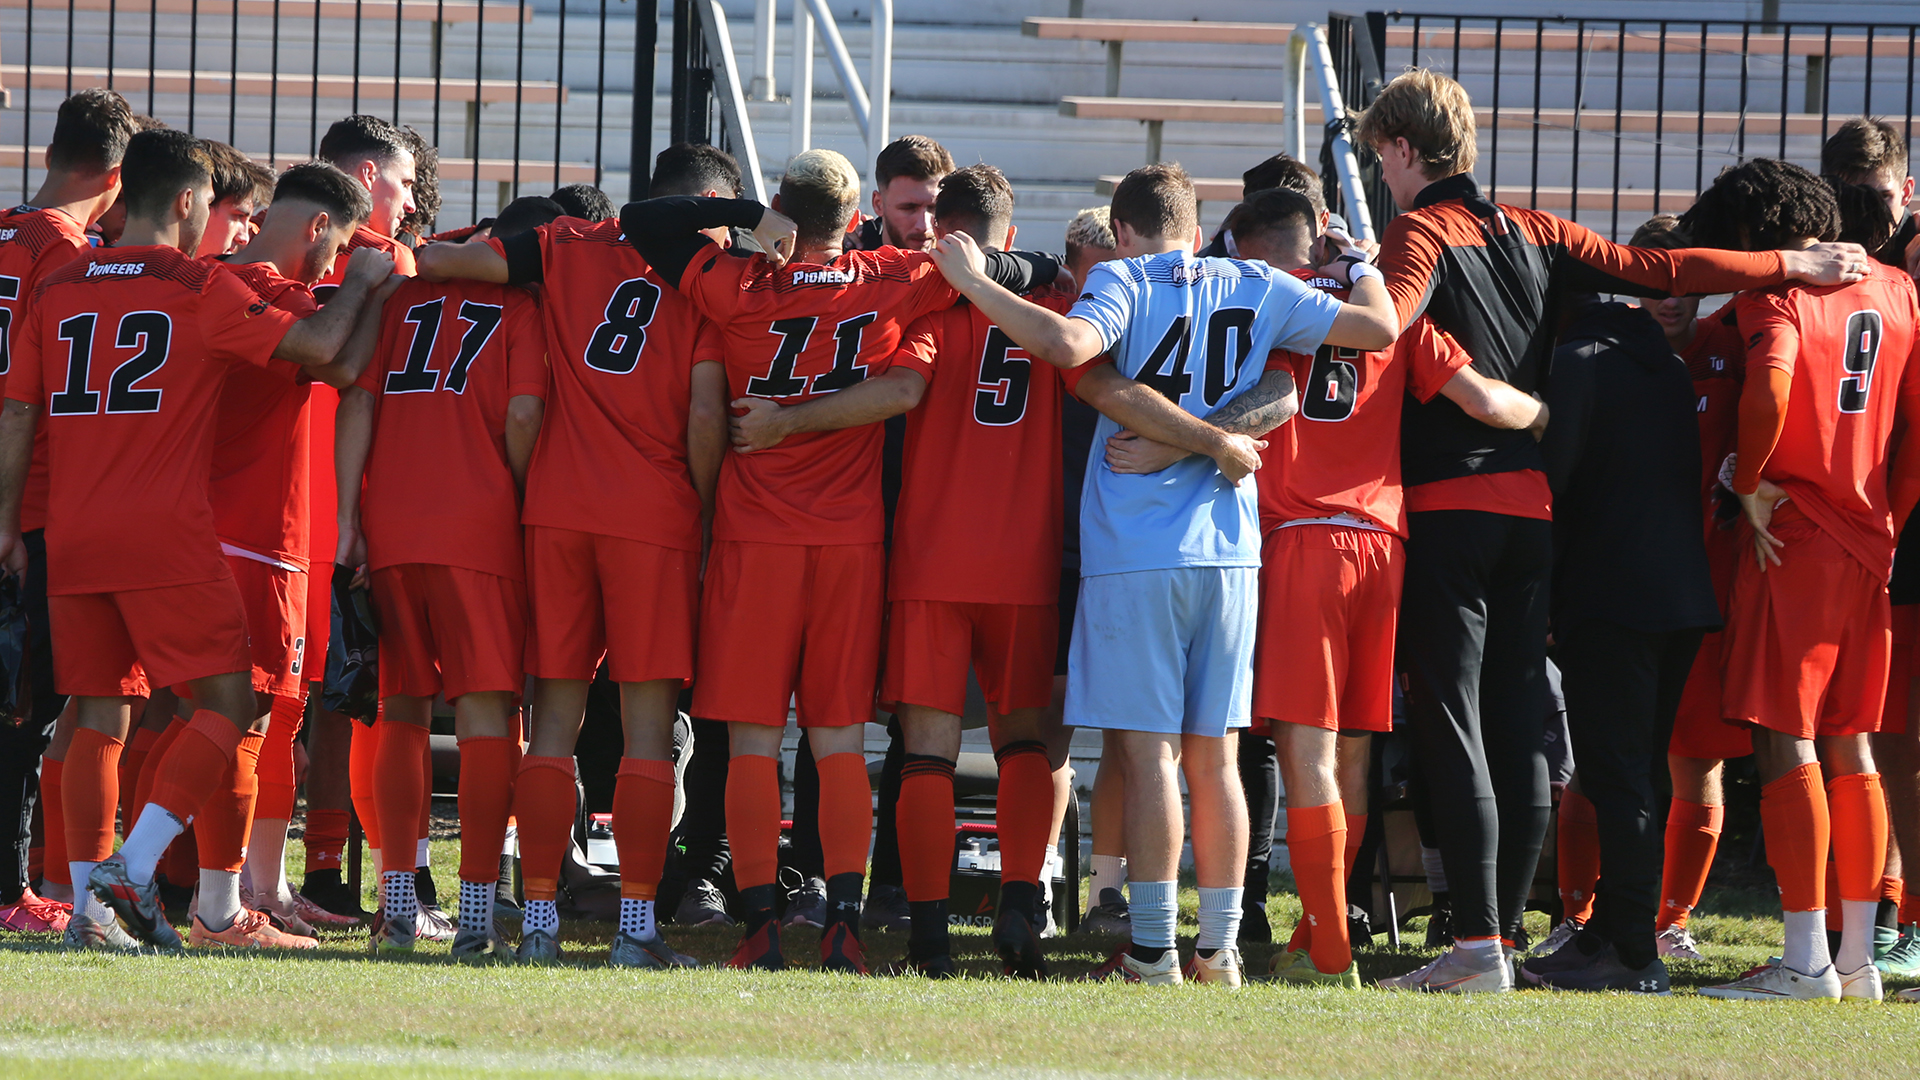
(1168, 651)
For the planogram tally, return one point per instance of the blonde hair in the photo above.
(1431, 112)
(1090, 229)
(820, 192)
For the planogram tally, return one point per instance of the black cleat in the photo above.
(1019, 946)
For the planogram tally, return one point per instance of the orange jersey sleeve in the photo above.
(1679, 272)
(1432, 357)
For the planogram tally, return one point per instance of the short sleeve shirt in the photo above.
(33, 242)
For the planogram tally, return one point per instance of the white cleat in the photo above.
(1676, 943)
(1223, 968)
(1459, 971)
(1776, 981)
(1861, 985)
(1560, 936)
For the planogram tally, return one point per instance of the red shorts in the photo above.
(574, 579)
(276, 603)
(1329, 605)
(1808, 642)
(789, 621)
(1699, 731)
(931, 643)
(319, 617)
(1906, 627)
(122, 644)
(447, 628)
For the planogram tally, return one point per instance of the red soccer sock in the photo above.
(90, 784)
(1316, 846)
(1857, 807)
(361, 755)
(53, 822)
(397, 792)
(642, 816)
(194, 765)
(1578, 847)
(487, 767)
(543, 804)
(1892, 889)
(846, 813)
(133, 757)
(143, 787)
(224, 821)
(275, 801)
(1835, 919)
(923, 821)
(753, 818)
(1909, 899)
(1693, 834)
(1793, 814)
(326, 839)
(1024, 812)
(426, 801)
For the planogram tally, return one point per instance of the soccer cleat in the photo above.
(1904, 958)
(760, 949)
(1305, 974)
(538, 947)
(1019, 947)
(393, 934)
(138, 906)
(702, 905)
(83, 932)
(933, 967)
(651, 954)
(334, 898)
(33, 915)
(840, 951)
(807, 905)
(314, 915)
(1123, 967)
(1911, 994)
(1676, 943)
(1567, 957)
(475, 947)
(1861, 985)
(1458, 971)
(1775, 981)
(1603, 970)
(1884, 939)
(250, 930)
(886, 909)
(1223, 968)
(432, 924)
(1109, 916)
(1560, 936)
(1278, 964)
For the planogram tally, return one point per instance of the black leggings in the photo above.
(1473, 635)
(1260, 777)
(22, 744)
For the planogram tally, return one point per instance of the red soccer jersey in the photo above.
(979, 518)
(794, 334)
(33, 243)
(438, 490)
(1847, 348)
(125, 352)
(1341, 453)
(262, 439)
(403, 262)
(622, 345)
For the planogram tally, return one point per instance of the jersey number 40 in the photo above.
(1229, 340)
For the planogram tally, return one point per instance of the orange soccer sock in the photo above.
(753, 818)
(1857, 807)
(1693, 834)
(923, 821)
(426, 801)
(195, 764)
(53, 821)
(642, 816)
(397, 792)
(326, 839)
(224, 820)
(275, 801)
(1909, 900)
(1316, 846)
(361, 755)
(133, 757)
(1025, 810)
(90, 792)
(143, 786)
(487, 766)
(1793, 814)
(846, 813)
(1578, 847)
(1834, 918)
(543, 804)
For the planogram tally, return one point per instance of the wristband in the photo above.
(1358, 270)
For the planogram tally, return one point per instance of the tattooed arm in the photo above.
(1270, 403)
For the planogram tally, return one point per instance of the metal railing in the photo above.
(872, 114)
(1308, 51)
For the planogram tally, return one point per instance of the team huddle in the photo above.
(1213, 496)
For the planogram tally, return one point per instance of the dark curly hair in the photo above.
(1762, 205)
(1865, 217)
(426, 183)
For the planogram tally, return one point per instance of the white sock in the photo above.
(512, 842)
(1154, 907)
(540, 915)
(267, 864)
(420, 858)
(1805, 948)
(219, 899)
(397, 894)
(476, 906)
(1476, 943)
(1109, 872)
(636, 918)
(83, 900)
(1219, 918)
(1435, 868)
(142, 849)
(1856, 934)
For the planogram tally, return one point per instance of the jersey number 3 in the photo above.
(1863, 348)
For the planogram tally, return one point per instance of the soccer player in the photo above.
(906, 178)
(637, 405)
(584, 201)
(125, 350)
(441, 429)
(1163, 638)
(83, 180)
(794, 588)
(1473, 619)
(241, 187)
(1807, 639)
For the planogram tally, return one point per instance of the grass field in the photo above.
(338, 1013)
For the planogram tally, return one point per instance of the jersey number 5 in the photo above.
(1001, 399)
(1863, 348)
(149, 332)
(9, 291)
(1332, 386)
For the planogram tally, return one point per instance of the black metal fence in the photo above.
(1610, 120)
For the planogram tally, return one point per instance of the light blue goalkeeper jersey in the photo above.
(1198, 330)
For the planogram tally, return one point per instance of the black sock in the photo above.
(320, 881)
(423, 887)
(1887, 915)
(843, 900)
(1146, 955)
(1020, 896)
(756, 904)
(927, 936)
(1205, 954)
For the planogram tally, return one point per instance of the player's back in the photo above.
(439, 489)
(1847, 348)
(622, 346)
(979, 518)
(33, 242)
(263, 438)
